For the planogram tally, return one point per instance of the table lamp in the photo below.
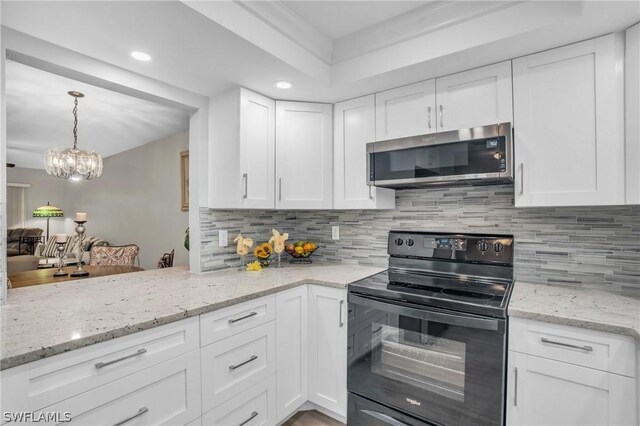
(48, 211)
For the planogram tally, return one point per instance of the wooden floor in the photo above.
(311, 418)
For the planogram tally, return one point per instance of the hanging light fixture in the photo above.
(73, 163)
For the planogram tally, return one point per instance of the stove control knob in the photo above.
(482, 246)
(399, 241)
(410, 242)
(498, 247)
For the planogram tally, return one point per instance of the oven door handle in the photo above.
(402, 308)
(385, 418)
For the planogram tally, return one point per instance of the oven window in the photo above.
(431, 363)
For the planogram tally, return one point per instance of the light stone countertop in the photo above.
(579, 307)
(45, 320)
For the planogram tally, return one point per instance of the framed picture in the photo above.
(184, 180)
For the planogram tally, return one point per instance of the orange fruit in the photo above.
(308, 246)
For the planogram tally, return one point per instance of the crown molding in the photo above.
(281, 18)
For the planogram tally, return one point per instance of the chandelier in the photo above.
(73, 163)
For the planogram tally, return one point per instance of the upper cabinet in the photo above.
(257, 150)
(632, 107)
(468, 99)
(304, 155)
(475, 98)
(405, 111)
(354, 126)
(568, 122)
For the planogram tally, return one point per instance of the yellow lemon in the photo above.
(299, 250)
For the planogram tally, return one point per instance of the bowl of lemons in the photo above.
(301, 251)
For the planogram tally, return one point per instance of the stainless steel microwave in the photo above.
(476, 156)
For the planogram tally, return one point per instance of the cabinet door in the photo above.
(546, 392)
(406, 111)
(292, 344)
(568, 125)
(632, 111)
(328, 348)
(257, 151)
(354, 127)
(304, 155)
(475, 98)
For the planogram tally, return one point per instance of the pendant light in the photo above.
(73, 163)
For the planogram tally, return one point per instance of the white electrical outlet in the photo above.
(335, 232)
(223, 238)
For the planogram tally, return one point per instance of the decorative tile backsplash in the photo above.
(590, 246)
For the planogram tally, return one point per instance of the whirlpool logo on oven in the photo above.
(413, 401)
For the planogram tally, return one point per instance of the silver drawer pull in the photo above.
(104, 364)
(233, 367)
(567, 345)
(253, 414)
(140, 412)
(252, 314)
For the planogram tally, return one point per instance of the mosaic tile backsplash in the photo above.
(589, 246)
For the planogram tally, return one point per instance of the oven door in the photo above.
(444, 367)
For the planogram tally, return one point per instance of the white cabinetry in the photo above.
(242, 151)
(632, 107)
(304, 155)
(292, 344)
(471, 98)
(559, 375)
(406, 111)
(568, 122)
(475, 98)
(328, 348)
(354, 126)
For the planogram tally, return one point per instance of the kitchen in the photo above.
(552, 245)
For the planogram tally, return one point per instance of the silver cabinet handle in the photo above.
(253, 414)
(233, 367)
(521, 178)
(566, 345)
(441, 116)
(429, 117)
(140, 412)
(245, 180)
(515, 387)
(370, 193)
(252, 314)
(104, 364)
(341, 322)
(279, 189)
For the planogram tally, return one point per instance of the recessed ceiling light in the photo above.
(283, 84)
(141, 56)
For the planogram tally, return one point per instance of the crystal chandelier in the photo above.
(73, 163)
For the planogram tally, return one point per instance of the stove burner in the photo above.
(472, 295)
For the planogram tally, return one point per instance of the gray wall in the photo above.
(589, 246)
(136, 200)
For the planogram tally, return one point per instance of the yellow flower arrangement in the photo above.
(263, 251)
(254, 266)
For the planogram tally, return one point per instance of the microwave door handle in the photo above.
(423, 314)
(384, 418)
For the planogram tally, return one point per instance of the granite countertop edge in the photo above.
(45, 352)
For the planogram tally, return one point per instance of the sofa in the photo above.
(14, 248)
(48, 253)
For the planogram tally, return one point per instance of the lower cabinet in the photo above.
(328, 348)
(256, 406)
(560, 375)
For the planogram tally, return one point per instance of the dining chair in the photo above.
(166, 261)
(125, 255)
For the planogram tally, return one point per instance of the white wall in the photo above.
(136, 200)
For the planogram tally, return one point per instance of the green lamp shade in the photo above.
(48, 211)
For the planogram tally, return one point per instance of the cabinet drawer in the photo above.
(165, 394)
(50, 380)
(237, 363)
(589, 348)
(235, 319)
(254, 407)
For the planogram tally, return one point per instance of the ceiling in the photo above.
(331, 50)
(346, 17)
(39, 117)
